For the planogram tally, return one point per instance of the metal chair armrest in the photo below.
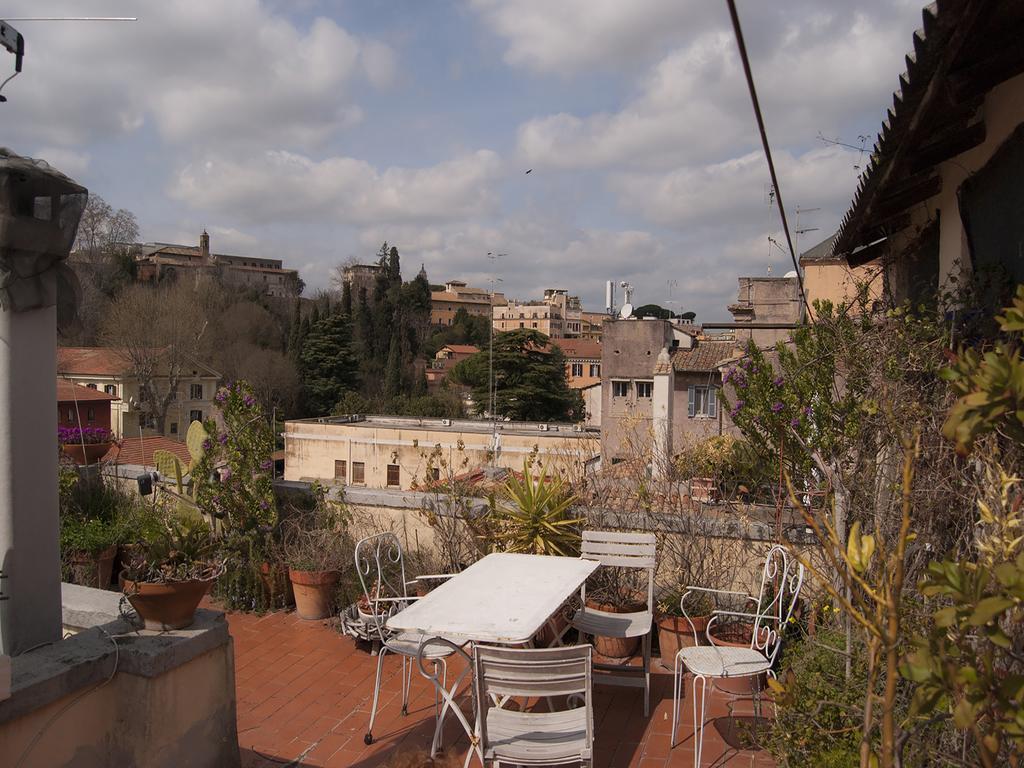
(438, 576)
(720, 592)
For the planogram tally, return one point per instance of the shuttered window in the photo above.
(702, 402)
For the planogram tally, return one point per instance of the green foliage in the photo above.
(326, 363)
(819, 710)
(182, 549)
(94, 514)
(438, 405)
(239, 455)
(465, 329)
(529, 379)
(319, 539)
(89, 535)
(990, 385)
(534, 515)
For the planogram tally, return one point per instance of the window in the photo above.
(90, 415)
(174, 394)
(394, 474)
(71, 414)
(534, 325)
(110, 389)
(174, 427)
(91, 386)
(645, 389)
(703, 403)
(620, 389)
(435, 473)
(340, 469)
(195, 416)
(358, 472)
(522, 325)
(577, 369)
(195, 391)
(595, 369)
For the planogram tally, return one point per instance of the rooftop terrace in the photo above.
(476, 426)
(304, 694)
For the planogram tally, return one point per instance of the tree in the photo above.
(160, 331)
(327, 365)
(529, 379)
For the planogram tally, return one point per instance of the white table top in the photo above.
(503, 598)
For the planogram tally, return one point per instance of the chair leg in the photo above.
(677, 693)
(698, 717)
(406, 683)
(647, 674)
(368, 737)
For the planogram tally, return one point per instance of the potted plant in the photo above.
(85, 445)
(167, 576)
(674, 630)
(88, 547)
(616, 590)
(317, 548)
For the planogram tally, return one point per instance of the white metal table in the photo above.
(504, 598)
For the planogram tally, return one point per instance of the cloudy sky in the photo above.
(312, 131)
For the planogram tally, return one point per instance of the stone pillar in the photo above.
(661, 412)
(29, 535)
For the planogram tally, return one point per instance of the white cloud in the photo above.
(230, 70)
(281, 185)
(64, 160)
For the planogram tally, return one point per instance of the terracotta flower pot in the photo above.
(90, 453)
(314, 592)
(674, 633)
(615, 647)
(94, 570)
(736, 634)
(170, 605)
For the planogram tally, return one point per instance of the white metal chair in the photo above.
(534, 738)
(781, 581)
(621, 550)
(381, 568)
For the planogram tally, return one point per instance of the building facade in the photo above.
(108, 370)
(582, 362)
(83, 406)
(161, 261)
(447, 356)
(767, 301)
(654, 372)
(444, 305)
(408, 453)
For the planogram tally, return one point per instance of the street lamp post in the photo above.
(490, 354)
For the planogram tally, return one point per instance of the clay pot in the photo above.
(94, 570)
(736, 634)
(615, 647)
(674, 633)
(170, 605)
(90, 453)
(314, 592)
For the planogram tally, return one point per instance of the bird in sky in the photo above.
(530, 171)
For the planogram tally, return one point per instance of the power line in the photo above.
(767, 149)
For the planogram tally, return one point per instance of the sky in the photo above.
(314, 131)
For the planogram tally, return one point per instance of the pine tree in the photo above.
(327, 364)
(393, 367)
(346, 299)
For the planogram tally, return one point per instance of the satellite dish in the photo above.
(626, 311)
(791, 273)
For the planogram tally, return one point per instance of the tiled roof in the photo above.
(139, 451)
(580, 349)
(92, 361)
(820, 252)
(705, 356)
(462, 349)
(69, 392)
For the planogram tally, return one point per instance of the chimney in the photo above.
(204, 245)
(661, 411)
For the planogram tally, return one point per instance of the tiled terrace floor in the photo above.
(304, 693)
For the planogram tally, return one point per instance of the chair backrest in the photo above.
(622, 550)
(781, 581)
(532, 672)
(381, 568)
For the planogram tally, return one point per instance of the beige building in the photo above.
(457, 295)
(827, 277)
(582, 361)
(403, 453)
(591, 324)
(771, 306)
(108, 370)
(160, 261)
(558, 315)
(942, 196)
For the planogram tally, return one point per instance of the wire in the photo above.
(767, 149)
(79, 697)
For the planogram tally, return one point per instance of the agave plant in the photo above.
(533, 515)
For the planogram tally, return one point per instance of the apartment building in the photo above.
(457, 295)
(558, 315)
(447, 357)
(108, 370)
(407, 453)
(661, 388)
(582, 362)
(771, 306)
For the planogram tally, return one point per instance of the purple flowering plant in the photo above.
(87, 435)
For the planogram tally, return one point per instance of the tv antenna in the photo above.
(797, 232)
(627, 292)
(862, 138)
(14, 41)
